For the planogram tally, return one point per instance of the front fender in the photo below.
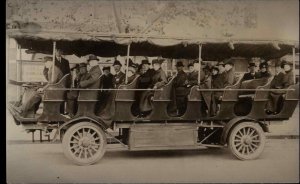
(228, 127)
(85, 118)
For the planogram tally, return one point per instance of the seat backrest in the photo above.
(165, 93)
(232, 95)
(127, 94)
(57, 94)
(293, 94)
(194, 95)
(263, 95)
(91, 95)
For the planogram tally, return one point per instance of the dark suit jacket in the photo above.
(92, 76)
(277, 82)
(118, 79)
(145, 79)
(249, 76)
(179, 83)
(264, 74)
(288, 79)
(159, 79)
(108, 81)
(192, 78)
(63, 65)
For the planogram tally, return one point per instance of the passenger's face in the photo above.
(277, 69)
(82, 70)
(263, 69)
(221, 68)
(58, 53)
(145, 67)
(287, 67)
(214, 72)
(228, 67)
(117, 68)
(156, 66)
(252, 69)
(191, 68)
(180, 68)
(48, 64)
(93, 63)
(106, 72)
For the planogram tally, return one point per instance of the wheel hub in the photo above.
(247, 140)
(85, 142)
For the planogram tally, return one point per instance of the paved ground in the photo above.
(46, 163)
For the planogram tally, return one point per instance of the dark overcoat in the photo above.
(118, 79)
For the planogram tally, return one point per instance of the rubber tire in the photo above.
(258, 151)
(68, 134)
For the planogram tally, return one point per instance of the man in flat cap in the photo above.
(119, 77)
(252, 74)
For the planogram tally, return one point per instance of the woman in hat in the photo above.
(158, 79)
(281, 81)
(264, 73)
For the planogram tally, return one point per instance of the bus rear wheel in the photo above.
(84, 143)
(247, 141)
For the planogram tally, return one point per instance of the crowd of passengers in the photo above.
(211, 77)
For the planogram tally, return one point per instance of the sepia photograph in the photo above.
(152, 91)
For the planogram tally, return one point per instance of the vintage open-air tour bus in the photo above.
(85, 137)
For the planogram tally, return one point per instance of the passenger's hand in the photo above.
(155, 87)
(188, 85)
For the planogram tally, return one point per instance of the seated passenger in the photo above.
(93, 74)
(264, 73)
(73, 94)
(230, 72)
(119, 77)
(31, 98)
(107, 78)
(192, 76)
(158, 80)
(219, 81)
(132, 71)
(205, 83)
(281, 81)
(179, 90)
(251, 74)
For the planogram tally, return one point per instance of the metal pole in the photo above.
(53, 60)
(294, 67)
(199, 71)
(128, 50)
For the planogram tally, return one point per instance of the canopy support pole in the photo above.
(294, 65)
(53, 60)
(127, 58)
(199, 70)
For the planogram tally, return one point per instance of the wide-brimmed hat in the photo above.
(106, 68)
(285, 63)
(92, 57)
(263, 65)
(251, 65)
(179, 64)
(117, 62)
(220, 63)
(229, 62)
(145, 61)
(159, 61)
(82, 65)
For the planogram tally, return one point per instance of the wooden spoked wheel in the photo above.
(84, 143)
(247, 140)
